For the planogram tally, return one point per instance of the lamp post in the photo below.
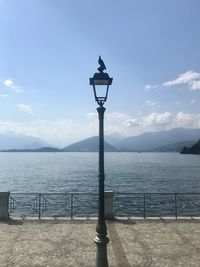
(101, 82)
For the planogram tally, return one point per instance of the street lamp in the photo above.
(101, 82)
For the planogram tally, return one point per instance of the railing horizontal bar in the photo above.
(96, 193)
(62, 194)
(155, 193)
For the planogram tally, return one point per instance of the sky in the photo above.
(49, 49)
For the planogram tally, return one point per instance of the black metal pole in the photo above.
(101, 239)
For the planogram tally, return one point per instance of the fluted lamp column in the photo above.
(101, 82)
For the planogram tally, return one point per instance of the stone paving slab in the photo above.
(138, 243)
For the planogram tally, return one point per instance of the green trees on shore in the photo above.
(195, 149)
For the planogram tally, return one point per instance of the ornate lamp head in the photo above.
(101, 82)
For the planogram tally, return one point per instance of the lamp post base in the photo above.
(101, 256)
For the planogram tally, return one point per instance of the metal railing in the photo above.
(53, 204)
(157, 204)
(86, 205)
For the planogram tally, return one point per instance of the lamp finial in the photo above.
(102, 65)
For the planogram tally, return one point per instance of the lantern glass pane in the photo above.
(101, 91)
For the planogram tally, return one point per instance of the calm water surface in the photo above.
(125, 172)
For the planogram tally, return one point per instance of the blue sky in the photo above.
(49, 49)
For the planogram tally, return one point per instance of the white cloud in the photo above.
(186, 77)
(3, 95)
(189, 78)
(150, 103)
(157, 119)
(117, 116)
(192, 101)
(25, 108)
(149, 87)
(187, 120)
(10, 84)
(128, 126)
(195, 85)
(92, 115)
(131, 123)
(182, 117)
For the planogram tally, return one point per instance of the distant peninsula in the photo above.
(41, 149)
(195, 149)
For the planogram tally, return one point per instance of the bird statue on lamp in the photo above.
(102, 65)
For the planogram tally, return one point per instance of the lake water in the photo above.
(77, 172)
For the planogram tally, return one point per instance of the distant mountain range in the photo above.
(164, 141)
(11, 140)
(175, 147)
(113, 139)
(155, 141)
(89, 145)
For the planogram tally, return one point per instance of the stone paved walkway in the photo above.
(138, 243)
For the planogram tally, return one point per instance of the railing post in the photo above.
(4, 205)
(72, 196)
(109, 214)
(39, 206)
(144, 205)
(175, 205)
